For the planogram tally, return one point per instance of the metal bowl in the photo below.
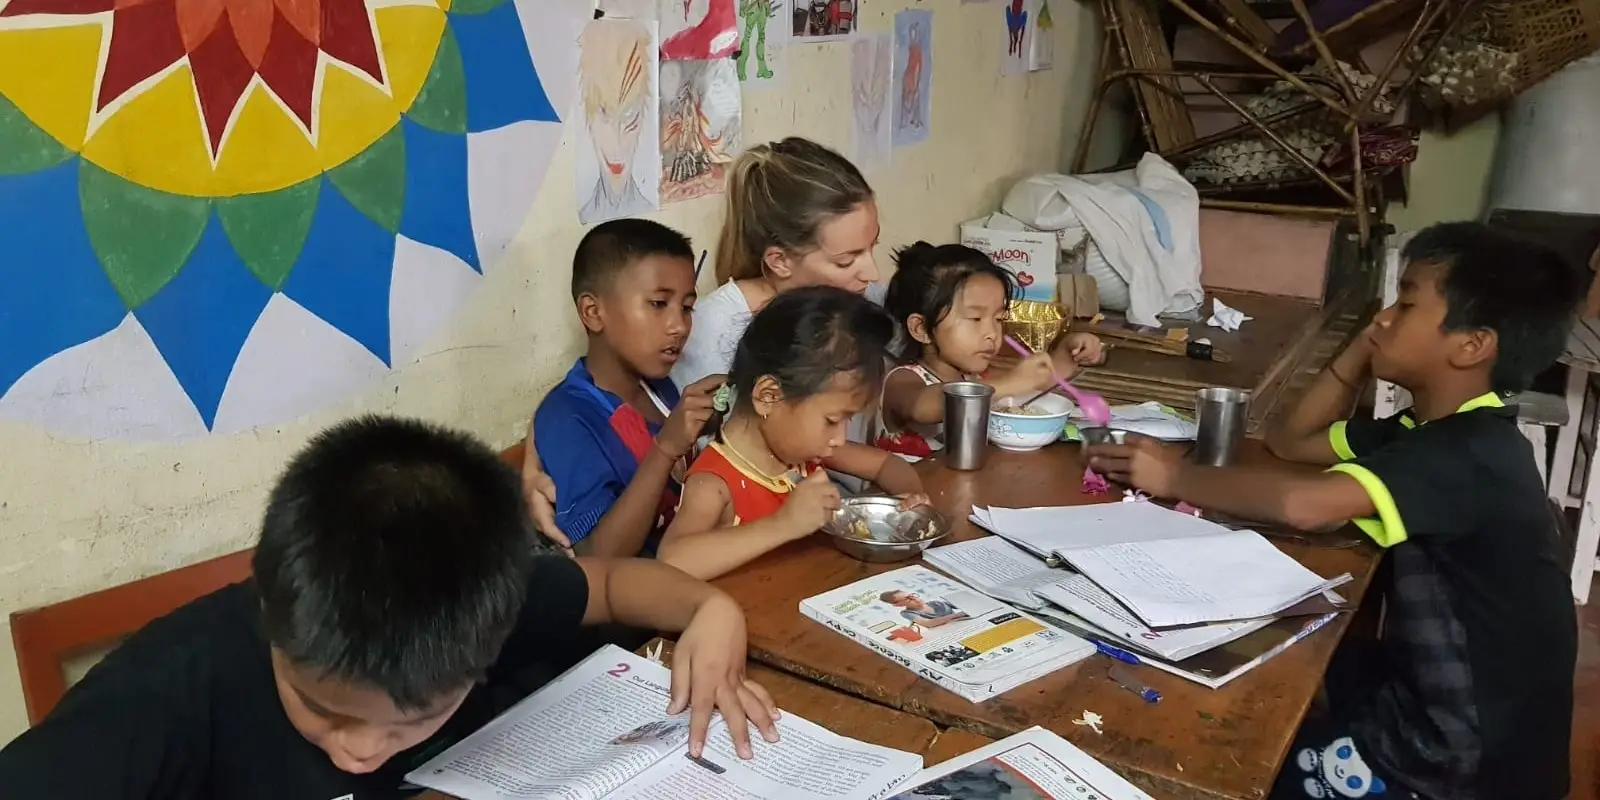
(874, 529)
(1102, 435)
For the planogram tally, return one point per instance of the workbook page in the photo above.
(808, 762)
(580, 738)
(1052, 529)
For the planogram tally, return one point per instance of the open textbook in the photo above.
(1032, 765)
(1168, 568)
(971, 644)
(601, 731)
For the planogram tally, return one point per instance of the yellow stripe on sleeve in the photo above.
(1387, 529)
(1340, 441)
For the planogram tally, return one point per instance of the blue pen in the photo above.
(1116, 653)
(1145, 693)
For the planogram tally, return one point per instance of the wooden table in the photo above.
(846, 716)
(1197, 742)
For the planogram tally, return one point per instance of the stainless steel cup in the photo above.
(966, 424)
(1222, 414)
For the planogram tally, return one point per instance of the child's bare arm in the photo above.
(890, 472)
(907, 399)
(622, 532)
(701, 541)
(1302, 434)
(540, 492)
(1307, 501)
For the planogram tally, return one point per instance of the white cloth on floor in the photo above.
(1145, 221)
(1226, 317)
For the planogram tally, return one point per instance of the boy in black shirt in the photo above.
(1472, 697)
(397, 605)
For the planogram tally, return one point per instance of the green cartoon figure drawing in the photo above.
(755, 14)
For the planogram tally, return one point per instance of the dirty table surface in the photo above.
(1197, 742)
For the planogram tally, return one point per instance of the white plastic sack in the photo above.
(1146, 222)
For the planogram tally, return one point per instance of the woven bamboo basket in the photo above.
(1546, 35)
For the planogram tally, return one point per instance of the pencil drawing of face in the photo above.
(870, 86)
(616, 89)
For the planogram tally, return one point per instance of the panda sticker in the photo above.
(1338, 772)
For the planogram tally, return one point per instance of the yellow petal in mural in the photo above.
(49, 73)
(352, 115)
(156, 140)
(265, 150)
(410, 37)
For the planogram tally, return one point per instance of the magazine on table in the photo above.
(971, 644)
(601, 732)
(1167, 567)
(1215, 666)
(1032, 765)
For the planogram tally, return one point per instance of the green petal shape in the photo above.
(142, 235)
(474, 6)
(24, 146)
(375, 180)
(442, 103)
(267, 230)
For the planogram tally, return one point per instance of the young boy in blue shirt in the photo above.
(613, 433)
(1471, 696)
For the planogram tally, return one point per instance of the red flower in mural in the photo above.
(227, 43)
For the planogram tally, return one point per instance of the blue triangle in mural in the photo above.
(438, 210)
(201, 318)
(344, 271)
(53, 293)
(502, 85)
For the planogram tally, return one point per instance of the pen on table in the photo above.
(1116, 653)
(1145, 693)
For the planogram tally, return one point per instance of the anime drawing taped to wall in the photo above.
(698, 29)
(871, 68)
(1042, 44)
(824, 20)
(701, 129)
(913, 76)
(619, 156)
(237, 226)
(764, 37)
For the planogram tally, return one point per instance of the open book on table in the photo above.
(601, 732)
(1032, 765)
(971, 644)
(1168, 568)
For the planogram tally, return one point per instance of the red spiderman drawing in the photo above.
(1017, 24)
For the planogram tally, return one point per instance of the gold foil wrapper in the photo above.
(1035, 323)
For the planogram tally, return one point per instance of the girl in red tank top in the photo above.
(809, 361)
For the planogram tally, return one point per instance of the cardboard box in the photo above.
(1029, 255)
(1080, 295)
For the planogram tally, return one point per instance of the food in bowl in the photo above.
(876, 529)
(1022, 428)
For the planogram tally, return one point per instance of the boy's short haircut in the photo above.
(394, 554)
(1523, 291)
(612, 246)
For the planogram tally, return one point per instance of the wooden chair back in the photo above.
(47, 637)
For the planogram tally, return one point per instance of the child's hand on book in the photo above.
(811, 504)
(1143, 463)
(683, 425)
(708, 675)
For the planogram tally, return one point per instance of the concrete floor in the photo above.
(1586, 713)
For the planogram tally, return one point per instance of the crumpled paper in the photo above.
(1228, 319)
(1094, 482)
(1134, 496)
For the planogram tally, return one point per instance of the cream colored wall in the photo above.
(1450, 179)
(78, 516)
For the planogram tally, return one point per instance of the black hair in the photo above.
(611, 247)
(927, 278)
(394, 554)
(806, 336)
(1522, 290)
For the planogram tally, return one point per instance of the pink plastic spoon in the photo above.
(1094, 406)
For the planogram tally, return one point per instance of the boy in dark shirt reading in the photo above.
(612, 434)
(397, 605)
(1471, 698)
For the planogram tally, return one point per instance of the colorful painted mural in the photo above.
(219, 214)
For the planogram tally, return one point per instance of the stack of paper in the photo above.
(946, 632)
(997, 568)
(1169, 569)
